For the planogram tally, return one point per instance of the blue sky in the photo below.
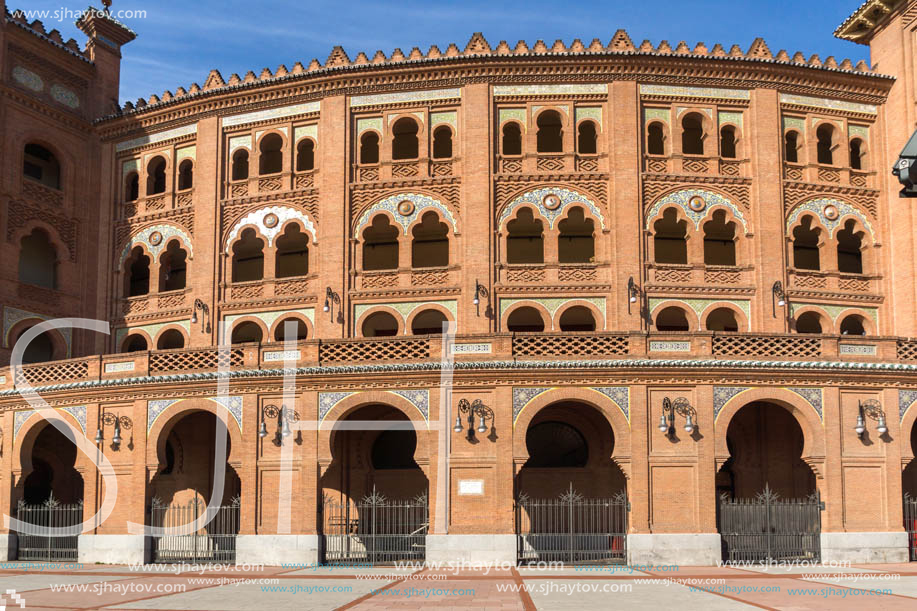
(179, 42)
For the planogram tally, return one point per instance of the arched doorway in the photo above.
(769, 508)
(571, 496)
(909, 487)
(182, 487)
(375, 493)
(50, 493)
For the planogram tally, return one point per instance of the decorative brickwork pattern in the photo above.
(22, 213)
(766, 346)
(194, 360)
(437, 278)
(55, 373)
(907, 350)
(43, 195)
(577, 274)
(570, 345)
(375, 350)
(380, 281)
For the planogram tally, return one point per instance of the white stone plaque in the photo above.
(471, 487)
(660, 346)
(281, 355)
(483, 348)
(121, 366)
(862, 349)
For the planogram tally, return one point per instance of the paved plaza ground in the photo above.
(49, 586)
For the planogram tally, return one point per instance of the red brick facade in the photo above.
(607, 225)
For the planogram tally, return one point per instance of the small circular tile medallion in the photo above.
(405, 207)
(697, 203)
(155, 238)
(271, 220)
(551, 201)
(831, 212)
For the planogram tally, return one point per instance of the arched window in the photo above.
(856, 154)
(577, 318)
(575, 242)
(722, 319)
(791, 147)
(728, 142)
(246, 332)
(185, 175)
(586, 138)
(171, 339)
(292, 258)
(805, 246)
(41, 165)
(550, 135)
(404, 139)
(380, 324)
(173, 268)
(430, 246)
(132, 187)
(380, 245)
(442, 142)
(39, 350)
(670, 239)
(809, 322)
(248, 257)
(38, 260)
(555, 445)
(719, 240)
(825, 136)
(305, 155)
(298, 330)
(138, 273)
(369, 148)
(525, 320)
(240, 165)
(428, 322)
(512, 139)
(849, 249)
(672, 318)
(692, 134)
(134, 343)
(156, 176)
(394, 449)
(271, 161)
(655, 139)
(525, 238)
(853, 325)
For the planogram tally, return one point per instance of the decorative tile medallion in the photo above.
(722, 395)
(162, 235)
(278, 215)
(906, 398)
(819, 207)
(619, 395)
(79, 414)
(28, 79)
(65, 96)
(682, 199)
(395, 205)
(536, 199)
(522, 397)
(813, 396)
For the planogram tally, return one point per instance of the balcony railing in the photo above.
(493, 347)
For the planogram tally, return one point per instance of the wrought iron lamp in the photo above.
(284, 416)
(872, 409)
(472, 409)
(679, 406)
(116, 421)
(332, 299)
(205, 315)
(632, 293)
(480, 291)
(778, 297)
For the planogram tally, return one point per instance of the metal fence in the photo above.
(910, 524)
(572, 529)
(49, 514)
(375, 530)
(770, 528)
(214, 542)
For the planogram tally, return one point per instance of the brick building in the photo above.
(680, 280)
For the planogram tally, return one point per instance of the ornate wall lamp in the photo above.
(283, 416)
(333, 299)
(205, 315)
(118, 422)
(872, 409)
(633, 293)
(778, 297)
(480, 291)
(679, 406)
(476, 408)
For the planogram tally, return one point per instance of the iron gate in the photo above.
(33, 546)
(572, 529)
(214, 542)
(376, 530)
(770, 528)
(910, 524)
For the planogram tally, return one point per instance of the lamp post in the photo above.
(872, 409)
(284, 416)
(116, 421)
(472, 409)
(205, 315)
(682, 407)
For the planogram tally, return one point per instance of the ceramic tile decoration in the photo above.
(373, 123)
(813, 396)
(906, 399)
(240, 141)
(802, 100)
(327, 401)
(405, 96)
(535, 199)
(65, 96)
(233, 404)
(858, 131)
(551, 304)
(178, 132)
(817, 207)
(405, 308)
(726, 117)
(589, 112)
(418, 398)
(682, 200)
(305, 131)
(282, 129)
(421, 203)
(257, 217)
(834, 311)
(722, 395)
(187, 152)
(658, 114)
(522, 397)
(559, 89)
(695, 92)
(269, 318)
(12, 315)
(155, 408)
(27, 78)
(514, 114)
(152, 329)
(273, 113)
(620, 395)
(449, 117)
(159, 242)
(699, 306)
(797, 123)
